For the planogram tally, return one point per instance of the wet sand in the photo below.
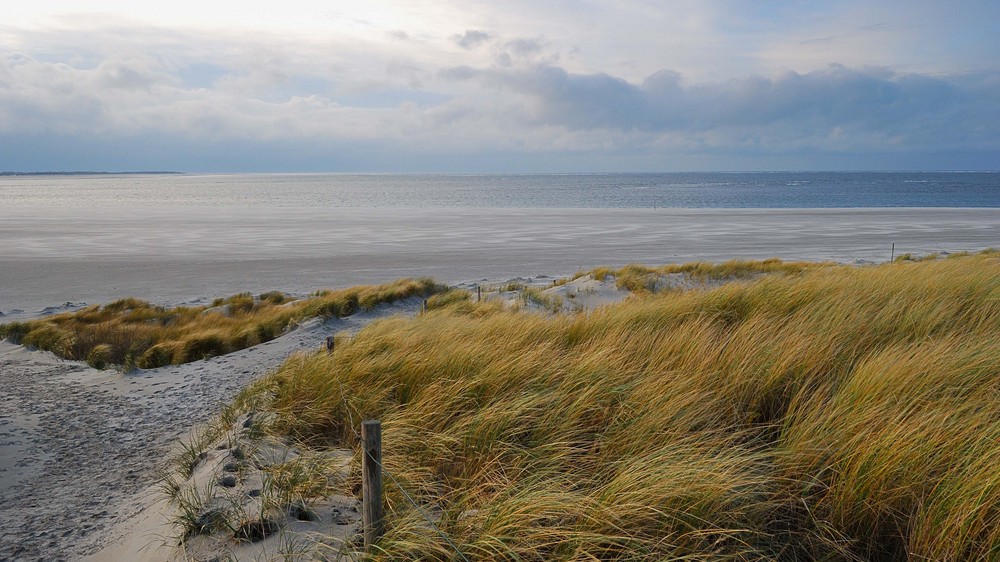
(51, 256)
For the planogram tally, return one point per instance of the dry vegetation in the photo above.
(836, 413)
(133, 333)
(642, 279)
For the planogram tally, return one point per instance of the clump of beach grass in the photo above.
(551, 303)
(640, 278)
(132, 333)
(836, 413)
(234, 482)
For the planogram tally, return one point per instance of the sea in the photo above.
(66, 240)
(763, 190)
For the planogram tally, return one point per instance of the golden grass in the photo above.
(133, 333)
(839, 413)
(639, 278)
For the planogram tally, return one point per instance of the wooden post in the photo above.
(329, 344)
(479, 293)
(425, 305)
(371, 482)
(892, 254)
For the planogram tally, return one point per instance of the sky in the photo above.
(486, 86)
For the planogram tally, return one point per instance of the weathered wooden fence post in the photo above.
(479, 293)
(371, 482)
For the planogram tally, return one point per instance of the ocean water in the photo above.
(778, 190)
(176, 238)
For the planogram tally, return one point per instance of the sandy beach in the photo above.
(79, 448)
(51, 256)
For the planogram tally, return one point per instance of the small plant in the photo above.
(99, 356)
(169, 483)
(196, 512)
(512, 287)
(158, 355)
(193, 452)
(255, 529)
(297, 481)
(49, 338)
(601, 273)
(292, 548)
(130, 362)
(273, 297)
(242, 303)
(448, 298)
(14, 331)
(551, 303)
(636, 278)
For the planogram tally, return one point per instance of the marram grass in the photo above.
(133, 333)
(837, 413)
(642, 279)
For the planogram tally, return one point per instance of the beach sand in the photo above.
(171, 256)
(79, 448)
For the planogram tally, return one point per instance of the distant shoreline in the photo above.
(83, 173)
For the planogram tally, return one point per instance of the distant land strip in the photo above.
(83, 173)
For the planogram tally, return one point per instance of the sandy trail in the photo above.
(78, 445)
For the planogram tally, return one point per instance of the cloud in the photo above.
(524, 47)
(412, 97)
(831, 109)
(471, 39)
(522, 51)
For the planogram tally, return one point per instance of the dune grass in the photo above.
(133, 333)
(640, 278)
(840, 413)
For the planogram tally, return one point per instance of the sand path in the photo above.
(78, 446)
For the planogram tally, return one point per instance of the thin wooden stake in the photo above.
(329, 344)
(371, 482)
(479, 293)
(892, 255)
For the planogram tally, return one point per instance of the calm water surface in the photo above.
(674, 190)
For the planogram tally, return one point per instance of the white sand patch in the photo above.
(586, 293)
